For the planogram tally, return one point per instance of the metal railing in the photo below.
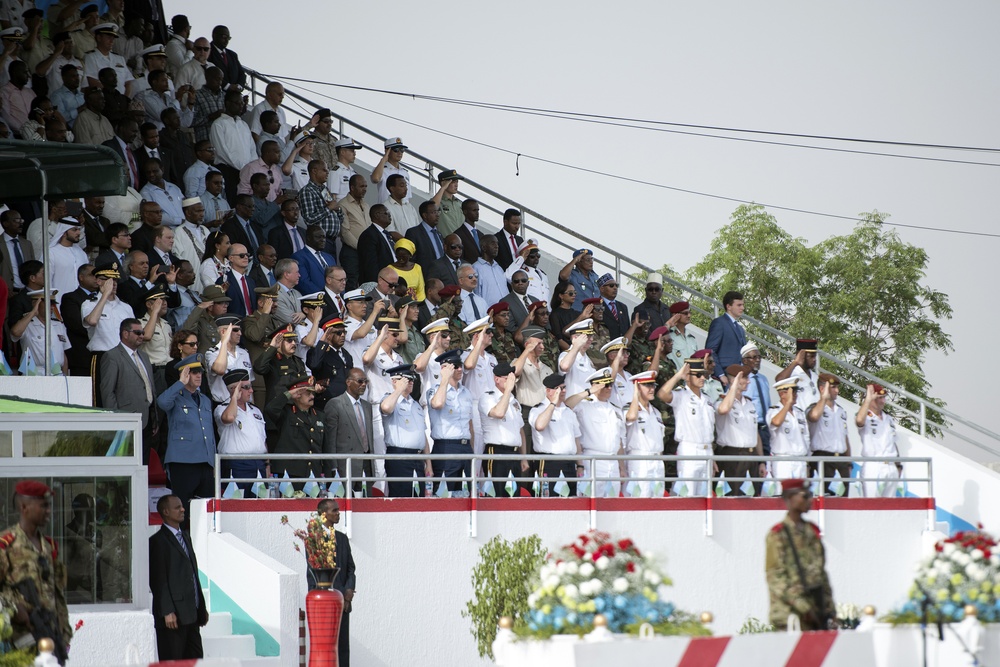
(623, 266)
(475, 481)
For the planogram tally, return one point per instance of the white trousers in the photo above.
(699, 470)
(789, 469)
(603, 470)
(881, 479)
(646, 468)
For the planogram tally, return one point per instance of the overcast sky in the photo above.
(901, 71)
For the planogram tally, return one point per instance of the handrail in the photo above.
(616, 266)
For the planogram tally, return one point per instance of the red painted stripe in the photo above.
(174, 663)
(811, 649)
(704, 652)
(743, 503)
(832, 503)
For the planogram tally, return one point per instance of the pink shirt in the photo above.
(258, 167)
(16, 104)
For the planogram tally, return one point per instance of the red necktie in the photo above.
(513, 245)
(246, 295)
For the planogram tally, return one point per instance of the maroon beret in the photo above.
(657, 332)
(593, 299)
(537, 304)
(679, 306)
(701, 354)
(32, 489)
(500, 307)
(449, 290)
(794, 483)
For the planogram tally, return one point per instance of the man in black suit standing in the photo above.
(427, 238)
(471, 241)
(125, 133)
(446, 268)
(179, 609)
(345, 579)
(151, 150)
(78, 355)
(226, 59)
(508, 237)
(615, 312)
(375, 244)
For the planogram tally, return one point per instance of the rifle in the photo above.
(43, 621)
(816, 593)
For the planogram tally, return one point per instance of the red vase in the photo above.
(324, 607)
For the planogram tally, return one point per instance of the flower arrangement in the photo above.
(9, 656)
(848, 616)
(320, 544)
(596, 574)
(963, 570)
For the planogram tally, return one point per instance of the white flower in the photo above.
(571, 568)
(533, 600)
(975, 572)
(586, 570)
(551, 581)
(595, 586)
(545, 571)
(961, 558)
(620, 585)
(570, 591)
(602, 563)
(652, 577)
(995, 560)
(977, 554)
(948, 548)
(561, 568)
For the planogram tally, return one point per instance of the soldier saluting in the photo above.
(796, 565)
(31, 575)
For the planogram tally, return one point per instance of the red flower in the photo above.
(580, 553)
(939, 547)
(625, 544)
(79, 624)
(630, 566)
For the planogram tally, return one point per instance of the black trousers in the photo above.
(191, 480)
(503, 469)
(184, 643)
(551, 469)
(403, 468)
(455, 467)
(844, 467)
(736, 471)
(351, 264)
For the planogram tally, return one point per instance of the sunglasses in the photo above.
(202, 48)
(242, 255)
(518, 281)
(456, 246)
(135, 332)
(189, 343)
(361, 381)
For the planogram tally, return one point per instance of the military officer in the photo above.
(190, 456)
(661, 362)
(426, 365)
(278, 364)
(616, 357)
(685, 344)
(450, 308)
(601, 334)
(503, 346)
(713, 387)
(403, 423)
(538, 318)
(602, 431)
(477, 375)
(803, 367)
(786, 422)
(258, 329)
(556, 430)
(694, 413)
(226, 356)
(828, 430)
(877, 429)
(574, 362)
(795, 563)
(378, 358)
(339, 181)
(644, 433)
(298, 427)
(450, 406)
(503, 425)
(202, 318)
(736, 428)
(330, 357)
(32, 577)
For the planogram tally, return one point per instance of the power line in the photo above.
(620, 177)
(633, 123)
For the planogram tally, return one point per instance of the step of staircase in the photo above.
(232, 646)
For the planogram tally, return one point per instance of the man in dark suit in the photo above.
(127, 379)
(125, 133)
(144, 236)
(237, 225)
(725, 335)
(286, 238)
(428, 307)
(179, 609)
(375, 245)
(344, 580)
(262, 271)
(162, 253)
(95, 225)
(425, 236)
(313, 261)
(472, 248)
(518, 300)
(243, 301)
(150, 149)
(615, 312)
(508, 237)
(330, 355)
(344, 434)
(13, 224)
(446, 268)
(226, 59)
(78, 355)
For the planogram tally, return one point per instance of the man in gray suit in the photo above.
(518, 300)
(12, 243)
(286, 307)
(343, 417)
(127, 380)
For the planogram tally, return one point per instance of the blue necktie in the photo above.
(475, 236)
(253, 239)
(764, 400)
(18, 257)
(438, 243)
(740, 336)
(475, 310)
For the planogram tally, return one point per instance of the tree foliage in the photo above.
(861, 294)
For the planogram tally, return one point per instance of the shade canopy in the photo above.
(70, 170)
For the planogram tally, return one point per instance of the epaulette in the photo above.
(777, 527)
(814, 527)
(336, 166)
(52, 543)
(6, 540)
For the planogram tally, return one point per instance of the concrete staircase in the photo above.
(220, 642)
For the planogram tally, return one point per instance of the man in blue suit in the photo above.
(726, 336)
(313, 261)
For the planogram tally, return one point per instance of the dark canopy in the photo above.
(71, 170)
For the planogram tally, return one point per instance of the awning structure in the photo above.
(31, 169)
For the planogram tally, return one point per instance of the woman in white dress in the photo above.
(215, 264)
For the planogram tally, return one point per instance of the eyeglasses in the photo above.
(387, 283)
(242, 255)
(569, 293)
(246, 388)
(518, 281)
(456, 246)
(189, 343)
(397, 149)
(135, 332)
(202, 48)
(473, 275)
(361, 381)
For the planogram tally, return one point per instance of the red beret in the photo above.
(878, 389)
(593, 299)
(537, 304)
(657, 332)
(32, 489)
(500, 307)
(701, 354)
(679, 306)
(794, 483)
(449, 290)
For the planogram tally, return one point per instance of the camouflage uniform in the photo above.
(21, 561)
(203, 325)
(665, 371)
(503, 346)
(459, 339)
(784, 583)
(550, 356)
(639, 350)
(258, 329)
(601, 338)
(714, 390)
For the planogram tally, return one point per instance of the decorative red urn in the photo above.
(324, 607)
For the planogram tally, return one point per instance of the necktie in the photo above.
(246, 295)
(438, 243)
(152, 153)
(361, 425)
(340, 305)
(296, 240)
(613, 309)
(145, 378)
(270, 278)
(18, 257)
(513, 246)
(526, 302)
(322, 262)
(475, 236)
(740, 336)
(132, 167)
(184, 548)
(457, 264)
(166, 258)
(475, 309)
(388, 238)
(765, 401)
(252, 237)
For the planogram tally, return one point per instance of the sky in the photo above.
(913, 71)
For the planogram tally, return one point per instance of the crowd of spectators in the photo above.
(262, 303)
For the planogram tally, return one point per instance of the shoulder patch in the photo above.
(814, 527)
(52, 543)
(6, 540)
(777, 527)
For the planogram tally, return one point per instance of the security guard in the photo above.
(190, 454)
(786, 422)
(644, 433)
(450, 406)
(503, 426)
(795, 563)
(602, 431)
(695, 416)
(298, 427)
(403, 422)
(31, 572)
(555, 430)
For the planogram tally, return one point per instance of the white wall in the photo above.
(112, 638)
(414, 567)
